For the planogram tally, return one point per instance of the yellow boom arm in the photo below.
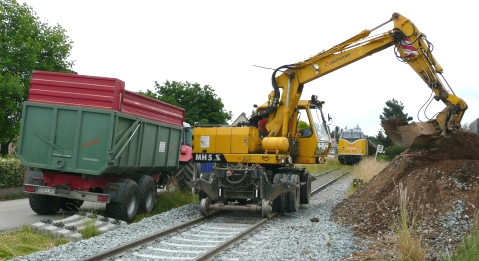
(413, 48)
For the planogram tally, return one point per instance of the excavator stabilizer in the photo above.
(414, 135)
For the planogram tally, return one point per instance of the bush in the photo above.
(391, 152)
(11, 172)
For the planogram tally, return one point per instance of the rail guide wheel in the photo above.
(266, 209)
(205, 206)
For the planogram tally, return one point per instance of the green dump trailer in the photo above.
(88, 152)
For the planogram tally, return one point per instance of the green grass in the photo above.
(25, 242)
(409, 245)
(90, 230)
(365, 170)
(14, 196)
(171, 198)
(469, 248)
(318, 168)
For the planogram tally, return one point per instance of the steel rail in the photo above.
(142, 241)
(218, 248)
(326, 172)
(328, 183)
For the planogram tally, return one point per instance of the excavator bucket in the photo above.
(414, 135)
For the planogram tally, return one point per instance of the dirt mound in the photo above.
(442, 186)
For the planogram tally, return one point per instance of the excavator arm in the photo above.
(412, 47)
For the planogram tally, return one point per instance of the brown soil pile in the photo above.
(442, 187)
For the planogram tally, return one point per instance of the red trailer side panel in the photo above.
(76, 90)
(148, 108)
(99, 93)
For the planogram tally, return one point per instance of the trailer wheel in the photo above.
(279, 202)
(69, 204)
(147, 193)
(127, 209)
(292, 197)
(44, 205)
(306, 189)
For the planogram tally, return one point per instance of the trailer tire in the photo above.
(127, 209)
(184, 173)
(292, 197)
(44, 205)
(147, 193)
(306, 189)
(279, 202)
(69, 204)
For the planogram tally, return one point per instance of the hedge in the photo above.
(11, 172)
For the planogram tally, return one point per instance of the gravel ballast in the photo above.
(289, 237)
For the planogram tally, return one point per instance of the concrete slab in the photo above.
(71, 226)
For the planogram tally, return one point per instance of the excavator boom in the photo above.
(412, 47)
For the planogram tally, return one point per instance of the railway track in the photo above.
(201, 238)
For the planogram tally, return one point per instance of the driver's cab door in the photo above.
(313, 132)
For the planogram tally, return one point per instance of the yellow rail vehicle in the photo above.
(353, 146)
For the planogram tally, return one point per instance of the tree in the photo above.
(26, 44)
(200, 103)
(11, 96)
(394, 109)
(335, 133)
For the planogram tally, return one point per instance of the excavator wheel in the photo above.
(279, 202)
(292, 197)
(305, 190)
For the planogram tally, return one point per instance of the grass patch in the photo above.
(14, 196)
(365, 170)
(318, 168)
(409, 245)
(25, 242)
(90, 230)
(469, 248)
(171, 198)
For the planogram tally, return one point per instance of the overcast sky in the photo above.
(217, 43)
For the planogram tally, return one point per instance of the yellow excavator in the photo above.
(255, 160)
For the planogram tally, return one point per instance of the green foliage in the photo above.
(391, 152)
(11, 172)
(335, 133)
(12, 93)
(394, 109)
(318, 168)
(200, 103)
(90, 230)
(26, 44)
(373, 139)
(469, 248)
(25, 242)
(171, 198)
